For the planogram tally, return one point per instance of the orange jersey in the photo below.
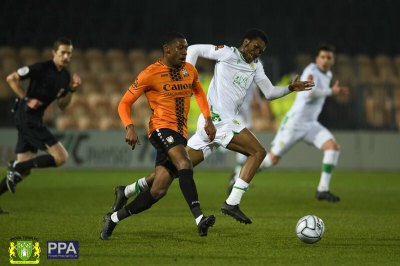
(168, 91)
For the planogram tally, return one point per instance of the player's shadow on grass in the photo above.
(371, 242)
(176, 235)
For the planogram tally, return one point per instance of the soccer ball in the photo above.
(310, 229)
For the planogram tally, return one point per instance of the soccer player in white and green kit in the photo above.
(236, 70)
(301, 121)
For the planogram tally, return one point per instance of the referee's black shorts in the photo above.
(32, 134)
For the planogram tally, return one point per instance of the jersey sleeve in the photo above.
(259, 74)
(131, 95)
(32, 71)
(200, 96)
(213, 52)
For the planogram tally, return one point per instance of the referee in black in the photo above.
(49, 81)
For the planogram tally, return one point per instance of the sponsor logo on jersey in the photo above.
(24, 250)
(240, 79)
(177, 87)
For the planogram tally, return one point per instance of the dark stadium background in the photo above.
(354, 26)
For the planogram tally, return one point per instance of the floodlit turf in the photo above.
(363, 229)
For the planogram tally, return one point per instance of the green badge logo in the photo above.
(24, 250)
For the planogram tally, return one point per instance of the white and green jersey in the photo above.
(308, 104)
(232, 79)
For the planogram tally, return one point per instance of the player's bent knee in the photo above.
(184, 164)
(159, 193)
(261, 153)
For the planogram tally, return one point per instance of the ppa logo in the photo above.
(67, 249)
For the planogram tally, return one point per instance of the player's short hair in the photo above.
(256, 33)
(325, 47)
(61, 41)
(172, 36)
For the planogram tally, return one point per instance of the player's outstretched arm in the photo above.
(297, 85)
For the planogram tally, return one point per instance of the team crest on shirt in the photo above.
(235, 122)
(185, 73)
(252, 67)
(170, 139)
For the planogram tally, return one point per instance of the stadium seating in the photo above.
(374, 82)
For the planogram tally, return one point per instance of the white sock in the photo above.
(136, 188)
(239, 188)
(328, 164)
(143, 184)
(198, 219)
(266, 163)
(114, 217)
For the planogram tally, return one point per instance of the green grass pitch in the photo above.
(57, 204)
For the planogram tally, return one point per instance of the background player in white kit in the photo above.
(301, 122)
(235, 71)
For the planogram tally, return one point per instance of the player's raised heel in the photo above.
(108, 228)
(235, 212)
(205, 223)
(120, 199)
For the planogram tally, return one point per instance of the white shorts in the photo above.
(225, 132)
(314, 134)
(244, 118)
